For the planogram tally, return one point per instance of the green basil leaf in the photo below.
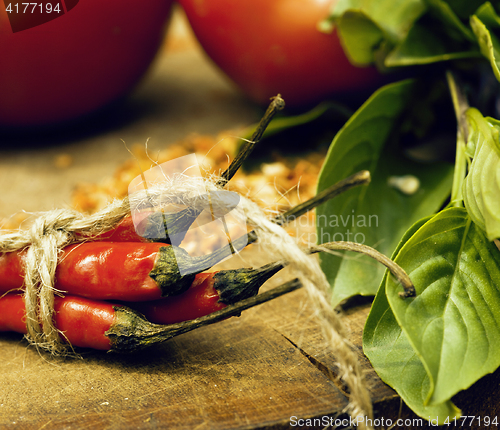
(447, 14)
(439, 35)
(483, 25)
(363, 25)
(377, 214)
(394, 16)
(393, 357)
(425, 44)
(395, 33)
(481, 188)
(453, 324)
(397, 364)
(361, 37)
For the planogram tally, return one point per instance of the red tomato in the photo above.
(94, 52)
(273, 46)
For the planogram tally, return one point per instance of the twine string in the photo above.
(49, 233)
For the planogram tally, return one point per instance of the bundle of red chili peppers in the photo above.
(119, 265)
(120, 268)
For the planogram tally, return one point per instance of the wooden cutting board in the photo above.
(267, 369)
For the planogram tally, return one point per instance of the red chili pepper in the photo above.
(98, 270)
(148, 226)
(199, 300)
(101, 325)
(11, 271)
(126, 271)
(124, 231)
(208, 293)
(113, 271)
(88, 323)
(84, 322)
(12, 313)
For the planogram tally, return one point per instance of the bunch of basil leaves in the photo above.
(443, 229)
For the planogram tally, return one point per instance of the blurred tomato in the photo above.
(80, 56)
(271, 46)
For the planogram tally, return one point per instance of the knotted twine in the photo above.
(53, 230)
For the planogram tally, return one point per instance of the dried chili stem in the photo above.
(277, 104)
(182, 220)
(359, 178)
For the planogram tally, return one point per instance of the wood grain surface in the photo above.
(252, 372)
(263, 370)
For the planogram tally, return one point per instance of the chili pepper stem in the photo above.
(360, 178)
(228, 281)
(180, 222)
(160, 224)
(277, 104)
(236, 285)
(132, 332)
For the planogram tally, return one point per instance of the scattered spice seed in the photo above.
(63, 161)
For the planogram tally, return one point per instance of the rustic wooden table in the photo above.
(267, 369)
